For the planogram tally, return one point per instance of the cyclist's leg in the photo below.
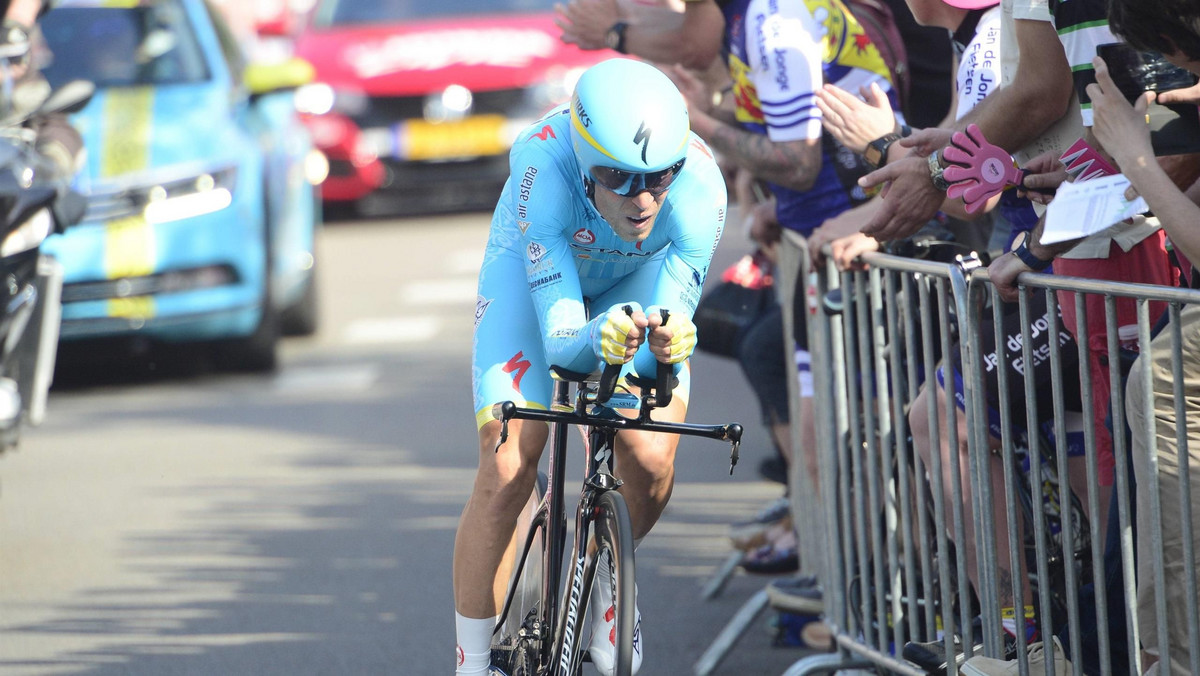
(508, 364)
(646, 463)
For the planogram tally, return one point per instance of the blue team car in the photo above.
(200, 180)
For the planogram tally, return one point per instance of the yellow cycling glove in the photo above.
(683, 335)
(614, 330)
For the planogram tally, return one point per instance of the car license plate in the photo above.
(471, 137)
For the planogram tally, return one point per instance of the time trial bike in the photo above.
(540, 629)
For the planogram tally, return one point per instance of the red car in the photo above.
(417, 103)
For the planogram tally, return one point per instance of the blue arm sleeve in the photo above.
(542, 205)
(696, 215)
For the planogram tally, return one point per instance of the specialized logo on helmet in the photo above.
(643, 137)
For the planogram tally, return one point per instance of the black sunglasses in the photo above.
(630, 183)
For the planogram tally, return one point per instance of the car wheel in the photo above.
(256, 353)
(301, 318)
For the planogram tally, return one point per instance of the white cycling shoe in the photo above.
(604, 632)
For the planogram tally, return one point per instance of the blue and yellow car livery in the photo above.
(201, 214)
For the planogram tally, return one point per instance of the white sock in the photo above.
(474, 651)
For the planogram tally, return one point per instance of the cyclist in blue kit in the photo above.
(611, 201)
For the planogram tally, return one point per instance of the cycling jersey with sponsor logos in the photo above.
(779, 53)
(551, 260)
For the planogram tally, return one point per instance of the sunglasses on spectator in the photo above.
(630, 183)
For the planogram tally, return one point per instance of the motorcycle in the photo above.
(35, 201)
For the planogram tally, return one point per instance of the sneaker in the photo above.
(603, 647)
(753, 532)
(931, 656)
(799, 595)
(987, 666)
(781, 555)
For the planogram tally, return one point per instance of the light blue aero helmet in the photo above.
(629, 126)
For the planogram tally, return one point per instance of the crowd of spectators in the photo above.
(844, 168)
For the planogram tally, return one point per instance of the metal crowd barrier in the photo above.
(893, 535)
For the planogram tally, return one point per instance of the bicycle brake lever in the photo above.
(734, 432)
(503, 435)
(503, 412)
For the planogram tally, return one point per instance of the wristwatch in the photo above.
(614, 39)
(935, 171)
(876, 153)
(1021, 249)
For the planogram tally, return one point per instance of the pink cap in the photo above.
(971, 4)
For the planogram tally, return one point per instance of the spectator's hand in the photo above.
(845, 251)
(763, 226)
(695, 91)
(852, 121)
(1043, 175)
(621, 334)
(1188, 95)
(924, 141)
(1120, 127)
(1003, 272)
(673, 343)
(586, 22)
(843, 225)
(909, 198)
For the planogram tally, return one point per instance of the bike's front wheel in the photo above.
(613, 535)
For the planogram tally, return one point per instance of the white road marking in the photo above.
(393, 330)
(465, 261)
(440, 292)
(307, 379)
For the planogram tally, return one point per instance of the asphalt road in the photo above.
(171, 519)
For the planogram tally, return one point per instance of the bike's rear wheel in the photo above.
(613, 535)
(515, 653)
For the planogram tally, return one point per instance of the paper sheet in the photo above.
(1085, 208)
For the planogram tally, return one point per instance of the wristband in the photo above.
(935, 172)
(876, 152)
(1022, 251)
(614, 39)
